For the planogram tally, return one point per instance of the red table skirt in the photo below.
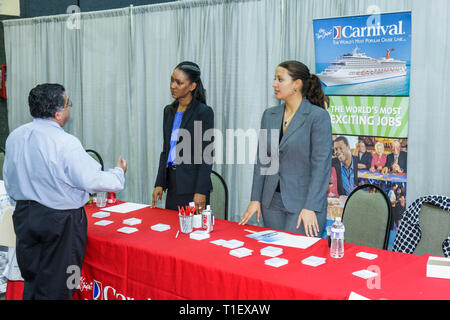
(156, 265)
(14, 290)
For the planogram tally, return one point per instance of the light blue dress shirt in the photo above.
(48, 165)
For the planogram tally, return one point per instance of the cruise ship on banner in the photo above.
(353, 68)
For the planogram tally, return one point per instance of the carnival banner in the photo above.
(364, 65)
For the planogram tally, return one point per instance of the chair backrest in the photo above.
(2, 160)
(367, 217)
(94, 154)
(435, 226)
(218, 197)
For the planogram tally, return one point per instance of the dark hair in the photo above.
(312, 88)
(342, 138)
(192, 70)
(45, 100)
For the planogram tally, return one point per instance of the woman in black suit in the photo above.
(183, 169)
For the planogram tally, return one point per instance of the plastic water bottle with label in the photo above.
(208, 219)
(337, 239)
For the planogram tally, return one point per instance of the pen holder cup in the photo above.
(186, 223)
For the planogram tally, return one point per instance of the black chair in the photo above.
(2, 160)
(367, 217)
(94, 154)
(218, 198)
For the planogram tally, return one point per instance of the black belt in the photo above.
(171, 167)
(27, 202)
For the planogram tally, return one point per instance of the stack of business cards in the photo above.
(132, 221)
(271, 251)
(368, 256)
(314, 261)
(127, 230)
(232, 244)
(276, 262)
(355, 296)
(241, 252)
(199, 235)
(160, 227)
(365, 274)
(103, 222)
(218, 242)
(101, 214)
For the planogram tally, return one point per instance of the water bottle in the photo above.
(212, 214)
(337, 239)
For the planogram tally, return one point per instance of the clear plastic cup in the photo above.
(101, 199)
(197, 221)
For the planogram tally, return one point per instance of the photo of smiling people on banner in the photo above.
(359, 160)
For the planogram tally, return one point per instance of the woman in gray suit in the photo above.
(294, 198)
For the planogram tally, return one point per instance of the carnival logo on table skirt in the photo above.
(98, 289)
(84, 285)
(100, 292)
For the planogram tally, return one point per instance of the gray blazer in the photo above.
(304, 158)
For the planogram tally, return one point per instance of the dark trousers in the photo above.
(173, 200)
(48, 241)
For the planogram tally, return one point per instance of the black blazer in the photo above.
(366, 159)
(337, 166)
(402, 159)
(193, 174)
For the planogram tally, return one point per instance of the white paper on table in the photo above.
(101, 214)
(365, 255)
(127, 230)
(294, 241)
(365, 274)
(103, 222)
(355, 296)
(126, 207)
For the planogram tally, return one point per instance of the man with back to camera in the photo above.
(49, 175)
